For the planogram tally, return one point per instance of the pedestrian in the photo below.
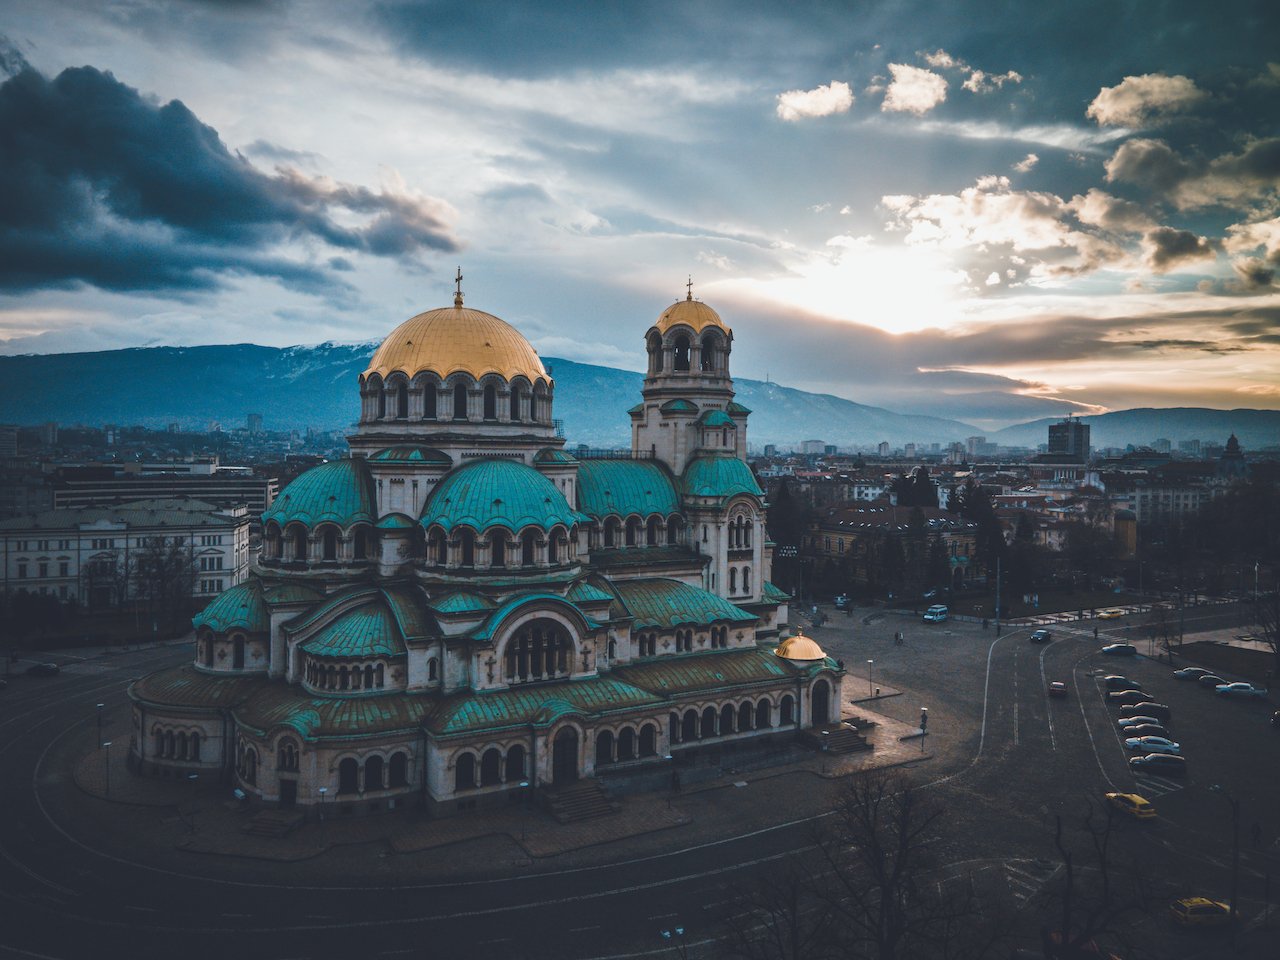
(1095, 633)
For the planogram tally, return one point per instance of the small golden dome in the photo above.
(800, 647)
(693, 313)
(457, 339)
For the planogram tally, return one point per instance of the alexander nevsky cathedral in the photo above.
(461, 612)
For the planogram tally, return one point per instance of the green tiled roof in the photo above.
(624, 487)
(647, 556)
(772, 592)
(461, 602)
(717, 418)
(679, 406)
(485, 632)
(718, 476)
(367, 631)
(540, 704)
(670, 603)
(411, 454)
(396, 521)
(708, 671)
(637, 409)
(407, 604)
(736, 407)
(186, 686)
(584, 592)
(317, 718)
(242, 607)
(340, 491)
(497, 493)
(552, 455)
(291, 593)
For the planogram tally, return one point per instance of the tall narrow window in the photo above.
(402, 402)
(460, 402)
(515, 405)
(490, 403)
(428, 401)
(526, 557)
(681, 359)
(237, 655)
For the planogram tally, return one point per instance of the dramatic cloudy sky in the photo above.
(986, 210)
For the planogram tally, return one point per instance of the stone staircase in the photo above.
(273, 823)
(835, 738)
(584, 800)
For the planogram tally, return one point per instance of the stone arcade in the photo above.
(461, 607)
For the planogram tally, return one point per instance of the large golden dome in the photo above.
(457, 339)
(800, 648)
(693, 313)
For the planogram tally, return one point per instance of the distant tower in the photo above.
(253, 422)
(1069, 438)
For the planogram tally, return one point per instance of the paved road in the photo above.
(1006, 760)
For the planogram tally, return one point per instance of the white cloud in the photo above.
(1026, 163)
(834, 97)
(1247, 237)
(982, 82)
(993, 279)
(942, 60)
(1137, 101)
(913, 90)
(1098, 208)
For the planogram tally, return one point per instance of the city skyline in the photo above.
(984, 211)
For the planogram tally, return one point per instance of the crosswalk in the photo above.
(1156, 786)
(1027, 877)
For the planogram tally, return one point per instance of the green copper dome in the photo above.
(340, 492)
(717, 418)
(240, 608)
(367, 631)
(720, 477)
(497, 493)
(625, 487)
(660, 603)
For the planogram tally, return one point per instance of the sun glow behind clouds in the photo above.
(893, 289)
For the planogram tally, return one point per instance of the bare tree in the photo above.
(163, 577)
(1266, 615)
(787, 919)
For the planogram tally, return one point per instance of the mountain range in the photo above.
(315, 386)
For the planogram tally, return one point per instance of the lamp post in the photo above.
(924, 724)
(322, 791)
(1235, 853)
(870, 691)
(192, 778)
(524, 807)
(100, 706)
(825, 746)
(106, 767)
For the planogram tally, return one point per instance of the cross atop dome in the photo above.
(457, 293)
(689, 287)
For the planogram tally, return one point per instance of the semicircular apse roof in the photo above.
(340, 492)
(719, 476)
(623, 487)
(497, 493)
(241, 607)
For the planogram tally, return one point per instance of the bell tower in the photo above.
(688, 406)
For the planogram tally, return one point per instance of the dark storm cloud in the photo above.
(100, 185)
(1166, 247)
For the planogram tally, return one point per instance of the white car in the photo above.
(1240, 689)
(1135, 721)
(1154, 745)
(936, 614)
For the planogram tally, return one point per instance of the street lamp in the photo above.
(191, 779)
(322, 792)
(524, 807)
(870, 691)
(106, 767)
(100, 706)
(1235, 853)
(924, 724)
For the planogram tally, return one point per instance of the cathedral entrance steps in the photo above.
(274, 823)
(584, 800)
(835, 738)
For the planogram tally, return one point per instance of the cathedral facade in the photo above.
(461, 609)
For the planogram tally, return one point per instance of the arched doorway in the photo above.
(820, 703)
(564, 757)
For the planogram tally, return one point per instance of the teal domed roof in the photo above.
(367, 631)
(340, 491)
(717, 418)
(240, 608)
(410, 454)
(722, 477)
(497, 493)
(625, 487)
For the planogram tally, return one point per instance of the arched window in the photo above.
(398, 770)
(195, 746)
(673, 530)
(611, 532)
(681, 359)
(604, 748)
(733, 579)
(627, 744)
(708, 723)
(746, 579)
(727, 716)
(237, 653)
(360, 546)
(181, 752)
(464, 772)
(329, 543)
(299, 544)
(527, 546)
(287, 755)
(372, 774)
(653, 532)
(460, 402)
(368, 676)
(655, 352)
(497, 549)
(541, 650)
(744, 715)
(468, 542)
(402, 402)
(439, 548)
(208, 651)
(433, 669)
(649, 740)
(514, 413)
(429, 394)
(633, 531)
(490, 403)
(168, 744)
(378, 675)
(613, 649)
(515, 764)
(673, 727)
(491, 767)
(785, 711)
(689, 726)
(382, 404)
(709, 344)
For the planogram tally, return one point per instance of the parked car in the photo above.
(1160, 711)
(1145, 730)
(1190, 673)
(1199, 912)
(1154, 745)
(1120, 649)
(1210, 680)
(1138, 807)
(1127, 696)
(1041, 636)
(1247, 690)
(1160, 764)
(1112, 614)
(936, 613)
(1121, 683)
(1126, 722)
(43, 670)
(1057, 688)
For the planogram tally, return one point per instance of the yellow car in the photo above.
(1135, 806)
(1110, 614)
(1199, 912)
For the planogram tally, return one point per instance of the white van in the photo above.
(936, 614)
